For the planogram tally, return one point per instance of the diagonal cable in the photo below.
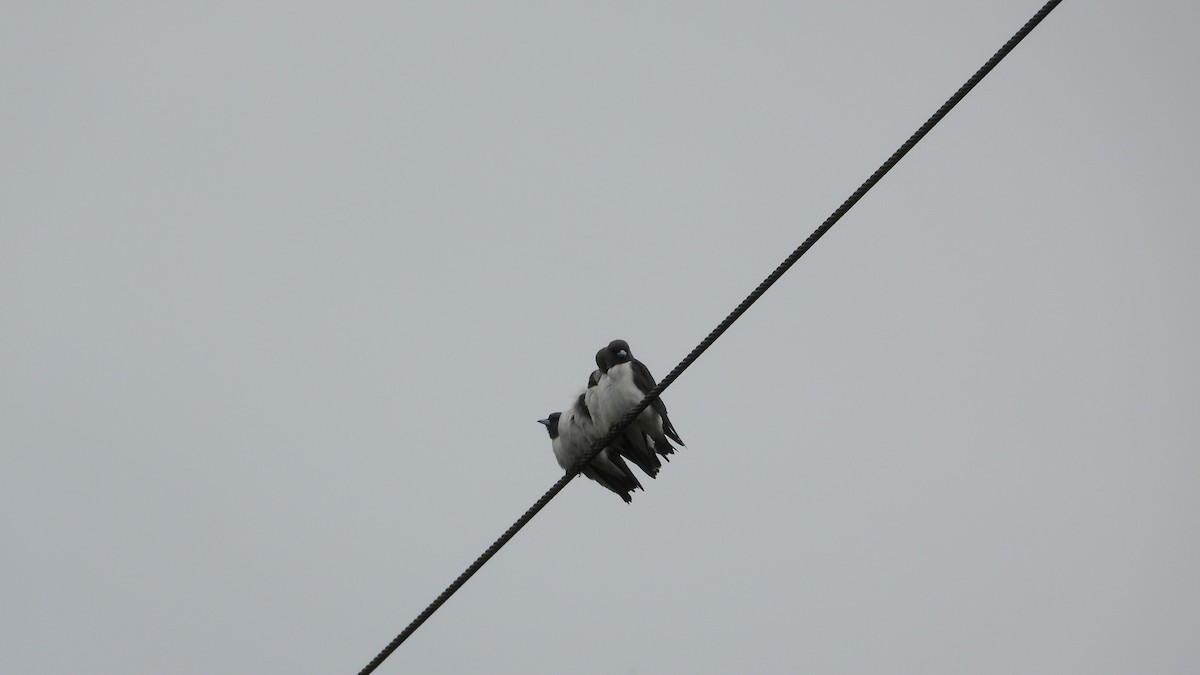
(716, 333)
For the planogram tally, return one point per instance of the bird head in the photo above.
(617, 351)
(551, 423)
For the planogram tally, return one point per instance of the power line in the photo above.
(716, 332)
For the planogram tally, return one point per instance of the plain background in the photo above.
(286, 286)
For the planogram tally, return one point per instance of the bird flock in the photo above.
(619, 383)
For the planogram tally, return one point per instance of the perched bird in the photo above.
(572, 433)
(639, 454)
(623, 383)
(607, 406)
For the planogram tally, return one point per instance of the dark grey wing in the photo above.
(582, 405)
(645, 382)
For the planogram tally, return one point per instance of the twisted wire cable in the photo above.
(712, 337)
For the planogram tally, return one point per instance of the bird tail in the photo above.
(638, 453)
(663, 447)
(619, 476)
(669, 430)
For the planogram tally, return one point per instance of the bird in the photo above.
(639, 454)
(572, 433)
(607, 407)
(623, 383)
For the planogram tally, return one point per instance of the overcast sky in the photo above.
(286, 286)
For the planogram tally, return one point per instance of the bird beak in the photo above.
(546, 422)
(622, 353)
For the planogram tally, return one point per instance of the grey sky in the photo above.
(285, 288)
